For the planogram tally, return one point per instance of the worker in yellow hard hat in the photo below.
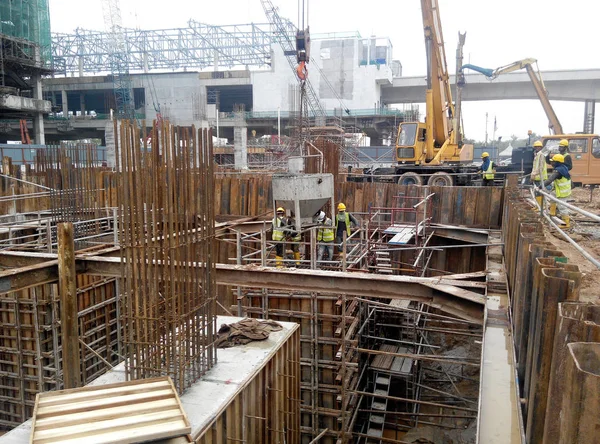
(487, 169)
(560, 179)
(278, 235)
(563, 149)
(325, 237)
(539, 171)
(344, 221)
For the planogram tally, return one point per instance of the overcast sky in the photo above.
(560, 34)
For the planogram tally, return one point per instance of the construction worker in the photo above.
(296, 237)
(325, 236)
(563, 148)
(560, 179)
(279, 222)
(343, 222)
(539, 172)
(487, 169)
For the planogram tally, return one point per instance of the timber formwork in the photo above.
(329, 362)
(31, 341)
(266, 409)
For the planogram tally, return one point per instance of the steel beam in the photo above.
(445, 295)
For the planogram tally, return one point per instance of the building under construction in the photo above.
(25, 56)
(148, 293)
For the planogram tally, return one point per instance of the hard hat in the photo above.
(321, 217)
(485, 154)
(563, 142)
(280, 210)
(558, 158)
(341, 207)
(537, 143)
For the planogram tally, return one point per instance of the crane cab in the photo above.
(413, 146)
(411, 142)
(585, 153)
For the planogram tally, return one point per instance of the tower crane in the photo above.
(119, 62)
(296, 52)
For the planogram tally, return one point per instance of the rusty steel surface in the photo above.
(540, 280)
(580, 404)
(577, 322)
(167, 214)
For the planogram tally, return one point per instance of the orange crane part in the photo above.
(25, 140)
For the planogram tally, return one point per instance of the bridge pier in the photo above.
(589, 116)
(38, 118)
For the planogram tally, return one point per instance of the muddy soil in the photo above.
(587, 235)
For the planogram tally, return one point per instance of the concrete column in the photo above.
(65, 104)
(82, 103)
(240, 142)
(38, 118)
(589, 116)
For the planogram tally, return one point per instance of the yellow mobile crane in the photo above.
(430, 151)
(584, 148)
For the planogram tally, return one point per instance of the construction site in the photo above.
(196, 271)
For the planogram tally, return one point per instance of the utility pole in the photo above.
(486, 128)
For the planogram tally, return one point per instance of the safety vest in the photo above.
(562, 187)
(326, 234)
(539, 158)
(297, 237)
(489, 173)
(344, 217)
(277, 234)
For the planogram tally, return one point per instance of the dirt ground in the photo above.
(587, 235)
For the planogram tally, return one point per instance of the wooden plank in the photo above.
(127, 412)
(104, 393)
(234, 197)
(225, 195)
(99, 427)
(68, 307)
(112, 412)
(84, 406)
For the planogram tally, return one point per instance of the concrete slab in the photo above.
(235, 368)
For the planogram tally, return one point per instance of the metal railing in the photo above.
(542, 208)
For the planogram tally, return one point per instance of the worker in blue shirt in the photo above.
(487, 170)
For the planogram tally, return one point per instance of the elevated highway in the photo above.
(570, 85)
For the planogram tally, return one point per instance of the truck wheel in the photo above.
(440, 179)
(410, 178)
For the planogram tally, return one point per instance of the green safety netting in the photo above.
(29, 20)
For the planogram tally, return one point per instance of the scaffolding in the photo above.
(410, 375)
(197, 46)
(397, 236)
(59, 183)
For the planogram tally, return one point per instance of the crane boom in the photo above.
(122, 85)
(439, 105)
(536, 80)
(283, 31)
